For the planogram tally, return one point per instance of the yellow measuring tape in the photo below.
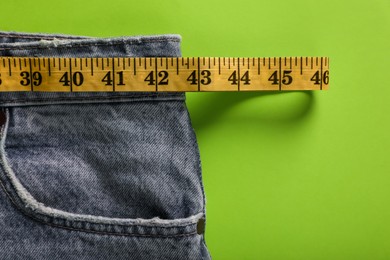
(160, 74)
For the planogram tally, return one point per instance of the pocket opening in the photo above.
(30, 206)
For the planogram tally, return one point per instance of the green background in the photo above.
(301, 175)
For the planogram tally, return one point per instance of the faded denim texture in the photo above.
(98, 175)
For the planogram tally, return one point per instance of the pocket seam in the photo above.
(90, 231)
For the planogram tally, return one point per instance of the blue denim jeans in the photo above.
(98, 175)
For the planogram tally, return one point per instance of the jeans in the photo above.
(98, 175)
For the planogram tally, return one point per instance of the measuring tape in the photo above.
(160, 74)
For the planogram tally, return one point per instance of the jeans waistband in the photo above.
(18, 44)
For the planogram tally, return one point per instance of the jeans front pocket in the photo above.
(124, 168)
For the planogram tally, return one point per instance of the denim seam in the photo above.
(94, 220)
(64, 219)
(158, 97)
(91, 45)
(199, 164)
(87, 230)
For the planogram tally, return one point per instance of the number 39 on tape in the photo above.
(160, 74)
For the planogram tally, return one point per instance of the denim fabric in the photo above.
(98, 175)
